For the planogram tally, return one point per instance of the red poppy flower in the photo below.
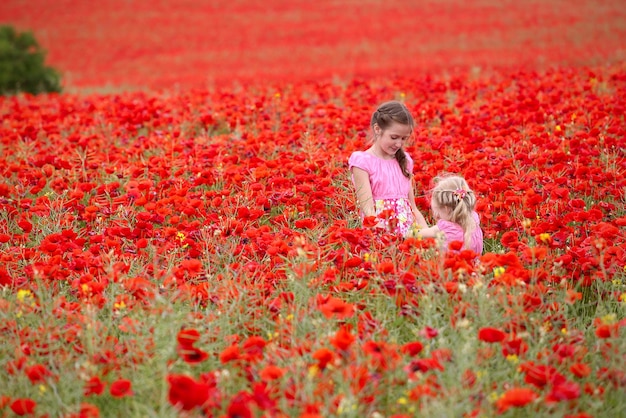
(370, 221)
(307, 223)
(429, 332)
(262, 396)
(323, 356)
(540, 374)
(230, 354)
(491, 335)
(13, 366)
(424, 365)
(94, 386)
(192, 355)
(336, 308)
(564, 351)
(186, 393)
(412, 348)
(580, 369)
(271, 372)
(515, 397)
(606, 230)
(564, 391)
(240, 406)
(515, 346)
(510, 239)
(37, 373)
(121, 388)
(343, 339)
(187, 337)
(421, 391)
(23, 406)
(86, 410)
(455, 246)
(253, 348)
(385, 267)
(353, 262)
(607, 330)
(25, 225)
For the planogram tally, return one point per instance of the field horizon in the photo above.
(118, 45)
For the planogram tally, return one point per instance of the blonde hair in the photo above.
(453, 193)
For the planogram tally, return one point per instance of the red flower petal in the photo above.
(23, 406)
(491, 335)
(121, 388)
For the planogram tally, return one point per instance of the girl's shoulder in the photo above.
(447, 225)
(359, 154)
(361, 159)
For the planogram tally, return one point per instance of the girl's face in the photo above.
(391, 139)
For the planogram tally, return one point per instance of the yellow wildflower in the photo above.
(609, 319)
(498, 271)
(544, 237)
(23, 294)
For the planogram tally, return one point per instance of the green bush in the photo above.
(22, 67)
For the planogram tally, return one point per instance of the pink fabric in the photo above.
(401, 221)
(390, 189)
(454, 232)
(386, 177)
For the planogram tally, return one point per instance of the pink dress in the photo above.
(390, 188)
(453, 232)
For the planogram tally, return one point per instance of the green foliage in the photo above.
(22, 67)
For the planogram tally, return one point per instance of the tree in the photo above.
(22, 67)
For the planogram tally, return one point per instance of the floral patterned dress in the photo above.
(390, 190)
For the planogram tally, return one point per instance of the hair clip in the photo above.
(460, 194)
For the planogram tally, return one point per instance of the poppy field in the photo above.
(122, 45)
(198, 251)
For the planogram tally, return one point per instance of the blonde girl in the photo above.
(453, 206)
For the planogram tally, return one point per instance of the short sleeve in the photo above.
(359, 159)
(447, 227)
(451, 230)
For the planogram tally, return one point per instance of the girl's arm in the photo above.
(419, 218)
(432, 232)
(364, 197)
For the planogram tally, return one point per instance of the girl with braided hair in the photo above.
(453, 203)
(382, 175)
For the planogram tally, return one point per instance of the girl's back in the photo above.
(454, 232)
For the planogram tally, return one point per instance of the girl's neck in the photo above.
(441, 214)
(379, 154)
